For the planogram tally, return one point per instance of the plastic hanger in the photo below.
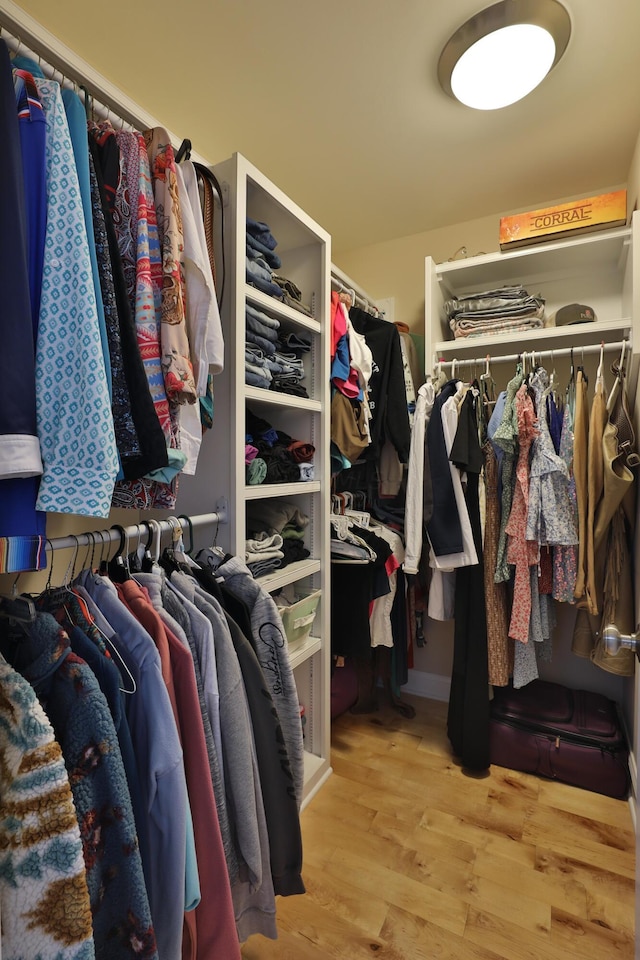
(118, 567)
(146, 563)
(601, 363)
(189, 549)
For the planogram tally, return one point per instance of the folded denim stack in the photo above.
(503, 310)
(256, 371)
(286, 364)
(292, 294)
(261, 343)
(261, 258)
(286, 460)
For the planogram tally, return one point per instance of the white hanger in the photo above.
(155, 540)
(600, 365)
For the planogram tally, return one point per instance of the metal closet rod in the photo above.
(552, 354)
(350, 286)
(103, 106)
(136, 530)
(357, 298)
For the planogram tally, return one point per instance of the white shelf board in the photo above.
(273, 397)
(306, 649)
(261, 491)
(598, 251)
(289, 574)
(279, 309)
(546, 338)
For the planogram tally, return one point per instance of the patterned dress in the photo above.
(499, 645)
(565, 559)
(506, 437)
(521, 552)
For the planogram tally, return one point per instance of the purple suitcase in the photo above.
(568, 735)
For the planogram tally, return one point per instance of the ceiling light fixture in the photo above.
(502, 53)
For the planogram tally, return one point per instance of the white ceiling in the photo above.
(338, 103)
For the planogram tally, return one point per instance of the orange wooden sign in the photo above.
(563, 220)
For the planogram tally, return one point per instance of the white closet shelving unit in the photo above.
(596, 269)
(305, 251)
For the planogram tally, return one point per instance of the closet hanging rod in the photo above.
(548, 353)
(357, 299)
(22, 32)
(337, 276)
(135, 531)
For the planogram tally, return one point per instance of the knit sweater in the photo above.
(43, 887)
(80, 717)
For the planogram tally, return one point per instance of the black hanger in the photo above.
(147, 559)
(118, 567)
(189, 549)
(18, 608)
(184, 151)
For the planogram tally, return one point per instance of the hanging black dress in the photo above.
(468, 715)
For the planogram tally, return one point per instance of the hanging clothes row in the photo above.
(156, 701)
(372, 404)
(520, 499)
(112, 320)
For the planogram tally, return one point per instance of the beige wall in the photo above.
(396, 268)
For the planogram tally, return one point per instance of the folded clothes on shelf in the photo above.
(508, 309)
(280, 453)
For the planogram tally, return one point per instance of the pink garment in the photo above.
(521, 552)
(338, 322)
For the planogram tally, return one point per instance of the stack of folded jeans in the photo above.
(503, 310)
(262, 259)
(286, 365)
(261, 342)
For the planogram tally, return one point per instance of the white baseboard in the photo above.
(433, 686)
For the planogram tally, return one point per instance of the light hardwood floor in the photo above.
(407, 858)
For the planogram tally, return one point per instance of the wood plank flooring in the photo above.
(407, 858)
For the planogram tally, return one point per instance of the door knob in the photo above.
(614, 640)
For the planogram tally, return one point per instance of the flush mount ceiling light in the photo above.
(502, 53)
